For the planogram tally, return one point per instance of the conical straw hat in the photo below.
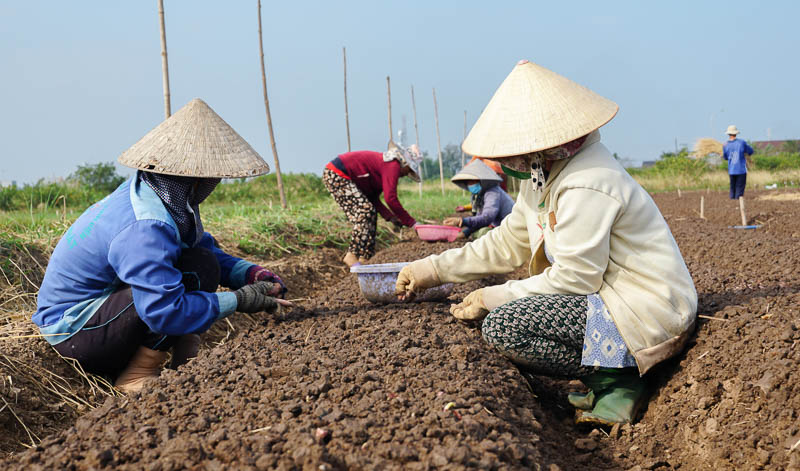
(195, 142)
(536, 109)
(476, 170)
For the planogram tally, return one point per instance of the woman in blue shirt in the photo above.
(735, 152)
(490, 203)
(136, 274)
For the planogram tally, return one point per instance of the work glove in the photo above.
(396, 223)
(257, 273)
(256, 298)
(415, 278)
(453, 222)
(471, 308)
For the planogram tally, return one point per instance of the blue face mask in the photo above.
(474, 189)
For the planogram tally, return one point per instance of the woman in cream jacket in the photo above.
(609, 295)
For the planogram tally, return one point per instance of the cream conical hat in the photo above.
(536, 109)
(195, 142)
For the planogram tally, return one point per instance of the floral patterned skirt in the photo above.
(359, 211)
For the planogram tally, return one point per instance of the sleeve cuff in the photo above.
(238, 274)
(227, 304)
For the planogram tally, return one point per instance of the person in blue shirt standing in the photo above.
(735, 152)
(136, 274)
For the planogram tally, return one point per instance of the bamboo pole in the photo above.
(269, 115)
(438, 140)
(702, 207)
(416, 131)
(346, 113)
(389, 108)
(741, 210)
(465, 138)
(164, 64)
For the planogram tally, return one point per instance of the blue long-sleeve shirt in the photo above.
(734, 152)
(129, 238)
(497, 205)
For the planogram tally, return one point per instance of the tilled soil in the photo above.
(338, 383)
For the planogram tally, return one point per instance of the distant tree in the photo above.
(102, 177)
(791, 147)
(451, 163)
(683, 152)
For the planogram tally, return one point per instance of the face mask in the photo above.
(475, 188)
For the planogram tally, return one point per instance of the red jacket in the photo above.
(373, 176)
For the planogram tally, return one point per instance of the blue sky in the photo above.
(81, 81)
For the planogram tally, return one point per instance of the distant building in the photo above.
(774, 147)
(648, 163)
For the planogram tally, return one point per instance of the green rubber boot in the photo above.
(615, 397)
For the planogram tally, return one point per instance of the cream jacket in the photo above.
(606, 236)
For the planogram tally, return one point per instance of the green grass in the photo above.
(246, 217)
(680, 171)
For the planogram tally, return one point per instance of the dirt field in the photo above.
(338, 383)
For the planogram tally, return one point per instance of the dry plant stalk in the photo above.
(706, 146)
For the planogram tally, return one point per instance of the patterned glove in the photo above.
(258, 273)
(255, 298)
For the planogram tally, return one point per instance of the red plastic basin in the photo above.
(432, 232)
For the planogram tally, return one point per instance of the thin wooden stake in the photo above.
(164, 66)
(438, 140)
(416, 131)
(465, 138)
(741, 210)
(679, 192)
(702, 208)
(346, 113)
(389, 101)
(269, 115)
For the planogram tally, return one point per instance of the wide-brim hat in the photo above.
(732, 130)
(476, 170)
(536, 109)
(195, 142)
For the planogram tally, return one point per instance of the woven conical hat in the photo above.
(195, 142)
(536, 109)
